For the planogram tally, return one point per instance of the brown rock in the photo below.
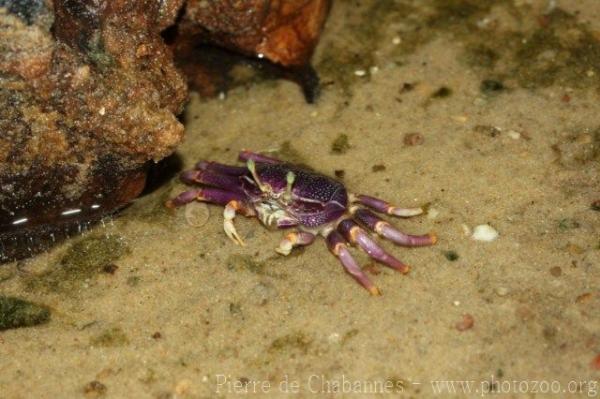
(466, 323)
(283, 31)
(81, 112)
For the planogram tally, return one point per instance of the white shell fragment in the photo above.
(513, 134)
(484, 232)
(196, 214)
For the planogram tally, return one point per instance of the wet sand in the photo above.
(166, 309)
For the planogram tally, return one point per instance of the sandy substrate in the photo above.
(173, 310)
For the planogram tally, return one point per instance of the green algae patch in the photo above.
(82, 261)
(248, 263)
(297, 341)
(499, 39)
(561, 51)
(151, 208)
(352, 47)
(478, 55)
(442, 92)
(243, 262)
(288, 153)
(111, 337)
(341, 144)
(451, 255)
(17, 313)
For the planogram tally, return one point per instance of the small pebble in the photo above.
(442, 92)
(556, 271)
(373, 70)
(94, 389)
(514, 134)
(456, 303)
(460, 118)
(466, 323)
(490, 86)
(406, 87)
(488, 130)
(584, 298)
(110, 268)
(412, 139)
(501, 291)
(451, 255)
(396, 41)
(360, 72)
(595, 206)
(484, 232)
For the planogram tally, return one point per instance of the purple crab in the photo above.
(285, 195)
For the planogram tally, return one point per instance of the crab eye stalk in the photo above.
(289, 178)
(252, 168)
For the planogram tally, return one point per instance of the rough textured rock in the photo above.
(88, 95)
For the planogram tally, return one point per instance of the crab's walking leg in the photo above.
(337, 245)
(386, 230)
(246, 155)
(385, 207)
(206, 194)
(294, 239)
(221, 168)
(354, 234)
(226, 182)
(229, 214)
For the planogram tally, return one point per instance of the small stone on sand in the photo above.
(514, 134)
(484, 232)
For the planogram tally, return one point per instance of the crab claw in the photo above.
(294, 239)
(229, 215)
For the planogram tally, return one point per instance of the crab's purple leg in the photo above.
(246, 155)
(355, 235)
(384, 229)
(385, 207)
(226, 182)
(221, 168)
(294, 239)
(285, 222)
(206, 194)
(337, 245)
(229, 214)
